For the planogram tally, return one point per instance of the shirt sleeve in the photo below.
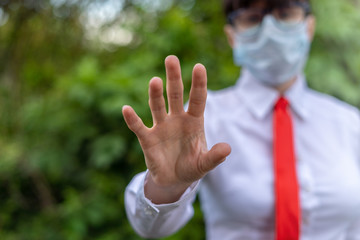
(151, 220)
(358, 137)
(354, 229)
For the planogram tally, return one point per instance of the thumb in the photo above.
(214, 157)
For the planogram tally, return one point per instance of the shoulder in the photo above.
(331, 108)
(224, 100)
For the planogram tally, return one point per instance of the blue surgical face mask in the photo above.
(274, 52)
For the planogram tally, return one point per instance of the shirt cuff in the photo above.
(149, 211)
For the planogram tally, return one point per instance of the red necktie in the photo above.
(287, 206)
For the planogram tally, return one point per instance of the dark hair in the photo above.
(232, 5)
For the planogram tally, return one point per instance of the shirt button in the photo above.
(149, 211)
(307, 188)
(305, 220)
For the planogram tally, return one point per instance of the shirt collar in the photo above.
(260, 98)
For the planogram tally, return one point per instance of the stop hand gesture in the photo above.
(175, 148)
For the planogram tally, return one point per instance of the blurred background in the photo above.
(66, 69)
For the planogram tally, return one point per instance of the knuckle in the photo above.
(137, 128)
(175, 95)
(199, 84)
(197, 101)
(157, 106)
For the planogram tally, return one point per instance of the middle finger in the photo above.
(174, 85)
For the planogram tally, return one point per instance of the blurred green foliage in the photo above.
(66, 154)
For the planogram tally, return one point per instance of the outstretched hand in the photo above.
(175, 148)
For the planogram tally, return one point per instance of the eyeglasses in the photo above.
(246, 18)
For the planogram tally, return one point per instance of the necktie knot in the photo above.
(282, 103)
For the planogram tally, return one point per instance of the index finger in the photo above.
(198, 92)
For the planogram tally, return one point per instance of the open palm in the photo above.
(175, 148)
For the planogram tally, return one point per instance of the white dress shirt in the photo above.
(237, 197)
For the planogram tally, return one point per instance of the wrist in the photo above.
(163, 194)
